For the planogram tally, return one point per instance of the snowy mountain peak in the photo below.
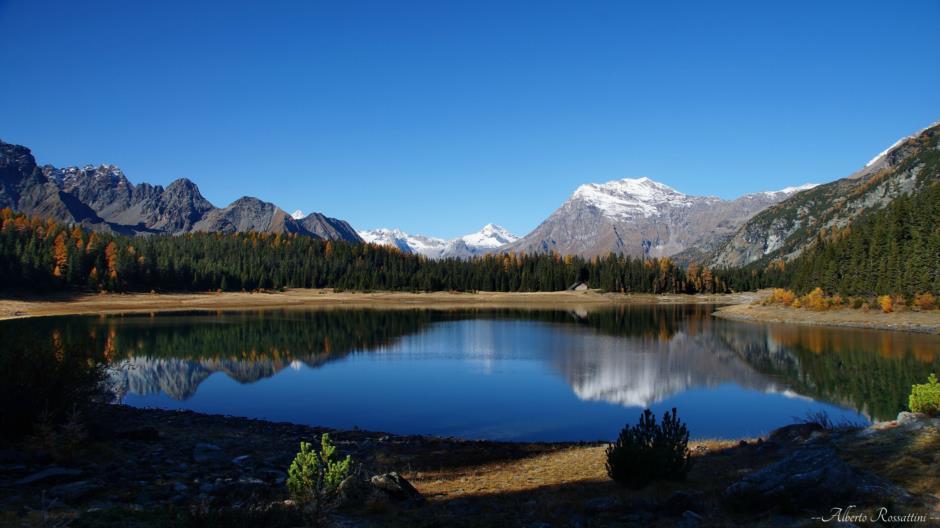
(297, 215)
(487, 239)
(630, 197)
(423, 245)
(491, 236)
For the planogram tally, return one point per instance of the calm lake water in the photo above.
(499, 374)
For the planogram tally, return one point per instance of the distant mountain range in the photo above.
(637, 217)
(486, 240)
(102, 198)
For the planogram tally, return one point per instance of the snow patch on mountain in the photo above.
(896, 144)
(297, 215)
(792, 190)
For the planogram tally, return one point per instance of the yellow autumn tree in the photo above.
(111, 256)
(60, 254)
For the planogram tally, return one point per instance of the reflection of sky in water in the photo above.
(504, 379)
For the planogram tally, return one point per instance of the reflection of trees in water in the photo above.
(871, 371)
(174, 353)
(633, 354)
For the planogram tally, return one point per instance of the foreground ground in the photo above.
(156, 468)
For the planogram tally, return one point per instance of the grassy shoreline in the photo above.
(13, 307)
(909, 321)
(738, 306)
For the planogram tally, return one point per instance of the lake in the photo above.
(498, 374)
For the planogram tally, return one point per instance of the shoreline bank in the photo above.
(116, 303)
(908, 321)
(736, 306)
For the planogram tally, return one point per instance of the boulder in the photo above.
(383, 490)
(353, 493)
(811, 477)
(396, 487)
(796, 433)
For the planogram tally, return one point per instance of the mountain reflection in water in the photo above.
(517, 364)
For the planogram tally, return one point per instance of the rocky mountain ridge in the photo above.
(102, 198)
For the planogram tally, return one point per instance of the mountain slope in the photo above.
(641, 217)
(24, 187)
(102, 198)
(788, 228)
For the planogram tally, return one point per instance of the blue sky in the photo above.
(438, 117)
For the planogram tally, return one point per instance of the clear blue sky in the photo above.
(440, 116)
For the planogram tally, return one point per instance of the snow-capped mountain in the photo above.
(428, 246)
(642, 217)
(297, 215)
(488, 239)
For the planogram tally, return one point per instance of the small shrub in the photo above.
(781, 296)
(646, 451)
(313, 478)
(886, 303)
(925, 301)
(925, 398)
(866, 307)
(815, 300)
(858, 303)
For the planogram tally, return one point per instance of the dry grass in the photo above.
(906, 457)
(552, 485)
(63, 304)
(924, 321)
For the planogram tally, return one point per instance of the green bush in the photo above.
(314, 478)
(646, 452)
(925, 398)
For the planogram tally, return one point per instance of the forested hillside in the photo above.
(42, 255)
(894, 250)
(786, 230)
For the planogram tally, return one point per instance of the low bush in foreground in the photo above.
(648, 451)
(925, 398)
(314, 478)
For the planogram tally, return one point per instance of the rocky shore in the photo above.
(157, 468)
